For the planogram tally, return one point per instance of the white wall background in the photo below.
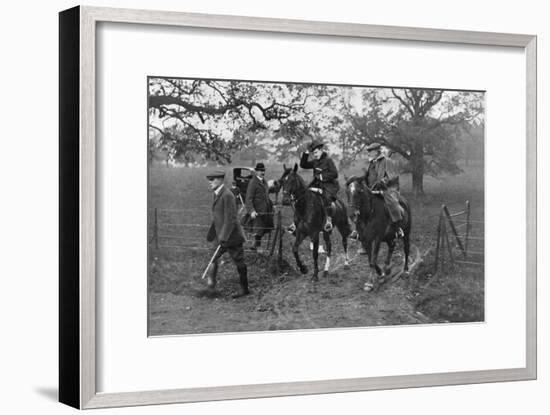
(28, 212)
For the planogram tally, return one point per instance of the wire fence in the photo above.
(457, 240)
(186, 230)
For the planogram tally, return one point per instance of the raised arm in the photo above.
(304, 162)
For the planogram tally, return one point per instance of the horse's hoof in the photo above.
(303, 269)
(369, 286)
(325, 274)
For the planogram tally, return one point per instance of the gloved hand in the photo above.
(379, 186)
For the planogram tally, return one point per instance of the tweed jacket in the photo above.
(257, 197)
(225, 228)
(382, 170)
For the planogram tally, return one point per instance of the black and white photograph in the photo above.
(298, 206)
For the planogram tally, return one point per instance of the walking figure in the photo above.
(226, 231)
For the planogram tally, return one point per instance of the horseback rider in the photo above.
(382, 175)
(325, 178)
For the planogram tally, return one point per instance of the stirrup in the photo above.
(291, 228)
(399, 233)
(354, 235)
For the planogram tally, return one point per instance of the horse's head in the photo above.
(274, 186)
(291, 183)
(358, 196)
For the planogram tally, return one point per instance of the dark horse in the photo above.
(309, 217)
(374, 227)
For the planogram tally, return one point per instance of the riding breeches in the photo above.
(391, 199)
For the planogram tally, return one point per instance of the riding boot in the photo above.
(243, 280)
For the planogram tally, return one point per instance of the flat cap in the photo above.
(215, 174)
(374, 146)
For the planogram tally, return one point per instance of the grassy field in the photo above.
(286, 299)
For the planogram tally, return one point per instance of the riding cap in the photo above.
(260, 167)
(374, 146)
(315, 144)
(216, 174)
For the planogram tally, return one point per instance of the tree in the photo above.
(202, 116)
(420, 125)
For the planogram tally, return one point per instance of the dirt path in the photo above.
(286, 302)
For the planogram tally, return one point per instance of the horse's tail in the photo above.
(408, 213)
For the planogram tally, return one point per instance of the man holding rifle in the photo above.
(226, 232)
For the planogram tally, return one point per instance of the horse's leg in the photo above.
(406, 248)
(295, 250)
(315, 239)
(373, 262)
(328, 245)
(391, 247)
(345, 236)
(368, 248)
(373, 257)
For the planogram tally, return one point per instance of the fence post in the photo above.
(467, 228)
(156, 230)
(438, 241)
(280, 226)
(447, 242)
(454, 229)
(275, 236)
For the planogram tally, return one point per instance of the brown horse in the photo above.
(374, 227)
(309, 217)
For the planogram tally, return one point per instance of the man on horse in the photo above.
(258, 205)
(381, 175)
(325, 178)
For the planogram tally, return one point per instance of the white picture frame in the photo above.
(78, 164)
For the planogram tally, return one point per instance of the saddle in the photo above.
(335, 205)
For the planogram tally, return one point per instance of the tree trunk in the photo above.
(417, 181)
(418, 171)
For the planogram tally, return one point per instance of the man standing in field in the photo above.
(226, 231)
(258, 205)
(381, 175)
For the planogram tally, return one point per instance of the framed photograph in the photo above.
(255, 207)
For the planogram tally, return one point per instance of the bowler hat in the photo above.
(215, 174)
(260, 167)
(315, 144)
(374, 146)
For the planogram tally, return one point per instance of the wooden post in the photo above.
(156, 230)
(447, 242)
(438, 241)
(275, 236)
(280, 221)
(458, 241)
(467, 228)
